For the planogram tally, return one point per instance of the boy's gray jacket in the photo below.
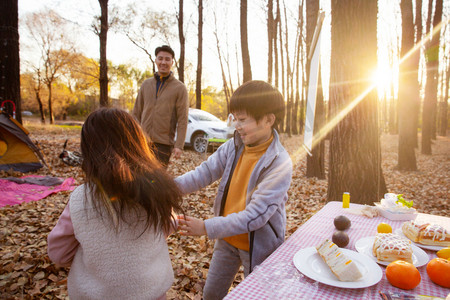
(264, 217)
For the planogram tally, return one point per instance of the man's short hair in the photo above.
(258, 98)
(165, 48)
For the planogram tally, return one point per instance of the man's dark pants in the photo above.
(163, 153)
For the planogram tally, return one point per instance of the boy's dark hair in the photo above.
(165, 48)
(258, 98)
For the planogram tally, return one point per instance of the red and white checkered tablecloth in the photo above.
(277, 277)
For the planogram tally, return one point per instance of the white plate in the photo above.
(309, 262)
(365, 245)
(428, 247)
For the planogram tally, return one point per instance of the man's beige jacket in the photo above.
(164, 114)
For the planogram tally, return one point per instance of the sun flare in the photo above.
(382, 78)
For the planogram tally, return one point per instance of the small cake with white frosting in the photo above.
(391, 247)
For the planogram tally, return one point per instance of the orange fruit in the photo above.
(384, 228)
(438, 269)
(444, 253)
(403, 275)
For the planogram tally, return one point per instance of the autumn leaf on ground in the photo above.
(27, 273)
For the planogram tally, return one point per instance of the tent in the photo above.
(17, 151)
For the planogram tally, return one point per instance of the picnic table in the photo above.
(278, 278)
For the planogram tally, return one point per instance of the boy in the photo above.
(249, 220)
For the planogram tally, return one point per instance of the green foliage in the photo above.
(125, 81)
(28, 94)
(62, 98)
(214, 101)
(75, 92)
(77, 127)
(406, 203)
(82, 75)
(83, 105)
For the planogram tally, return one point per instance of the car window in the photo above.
(204, 117)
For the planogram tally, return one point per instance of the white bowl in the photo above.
(397, 216)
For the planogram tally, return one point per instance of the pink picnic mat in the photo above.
(12, 193)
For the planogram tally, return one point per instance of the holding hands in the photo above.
(191, 226)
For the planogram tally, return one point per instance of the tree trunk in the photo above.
(50, 105)
(301, 118)
(312, 12)
(416, 54)
(37, 92)
(198, 85)
(41, 107)
(355, 155)
(270, 22)
(103, 63)
(246, 66)
(393, 124)
(431, 86)
(229, 73)
(408, 93)
(280, 39)
(296, 69)
(295, 106)
(283, 91)
(315, 163)
(224, 78)
(288, 77)
(302, 93)
(275, 47)
(9, 57)
(393, 57)
(182, 42)
(444, 104)
(237, 65)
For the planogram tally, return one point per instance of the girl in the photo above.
(113, 231)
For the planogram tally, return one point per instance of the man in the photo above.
(162, 108)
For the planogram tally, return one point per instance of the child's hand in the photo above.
(191, 226)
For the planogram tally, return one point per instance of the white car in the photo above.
(203, 126)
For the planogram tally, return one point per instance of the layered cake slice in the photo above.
(341, 266)
(434, 235)
(426, 234)
(412, 230)
(391, 247)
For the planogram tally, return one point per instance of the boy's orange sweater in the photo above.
(238, 188)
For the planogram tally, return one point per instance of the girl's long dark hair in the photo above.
(122, 172)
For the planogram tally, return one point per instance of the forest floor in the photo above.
(27, 273)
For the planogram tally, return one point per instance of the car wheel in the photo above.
(199, 142)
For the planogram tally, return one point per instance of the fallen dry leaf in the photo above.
(27, 273)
